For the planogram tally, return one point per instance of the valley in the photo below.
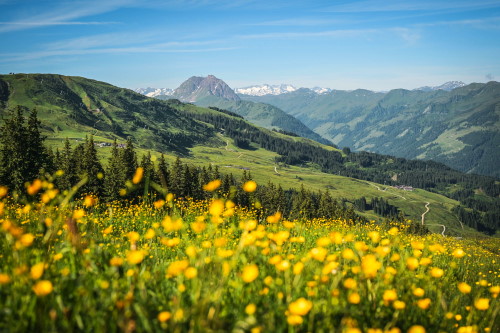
(216, 137)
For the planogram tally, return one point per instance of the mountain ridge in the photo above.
(459, 127)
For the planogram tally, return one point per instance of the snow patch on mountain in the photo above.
(448, 86)
(154, 92)
(266, 89)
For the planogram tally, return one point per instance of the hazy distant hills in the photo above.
(460, 127)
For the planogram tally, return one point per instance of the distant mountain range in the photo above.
(267, 89)
(213, 92)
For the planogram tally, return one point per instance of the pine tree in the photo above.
(162, 173)
(91, 168)
(129, 160)
(148, 168)
(115, 177)
(176, 180)
(22, 152)
(67, 165)
(39, 158)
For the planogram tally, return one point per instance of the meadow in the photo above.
(176, 265)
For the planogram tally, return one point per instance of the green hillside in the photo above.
(459, 128)
(75, 107)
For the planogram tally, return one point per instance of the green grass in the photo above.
(122, 267)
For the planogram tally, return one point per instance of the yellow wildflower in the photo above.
(416, 329)
(135, 257)
(212, 186)
(250, 273)
(139, 172)
(250, 309)
(164, 316)
(4, 278)
(300, 307)
(482, 304)
(464, 288)
(370, 265)
(354, 298)
(250, 186)
(36, 270)
(43, 287)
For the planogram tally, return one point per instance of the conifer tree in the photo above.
(115, 177)
(148, 167)
(39, 158)
(129, 160)
(91, 168)
(162, 173)
(22, 153)
(176, 180)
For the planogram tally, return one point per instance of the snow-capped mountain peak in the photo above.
(266, 89)
(448, 86)
(319, 90)
(154, 92)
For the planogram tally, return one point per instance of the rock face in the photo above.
(197, 87)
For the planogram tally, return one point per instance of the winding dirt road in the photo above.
(427, 210)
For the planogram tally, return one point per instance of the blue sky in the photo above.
(376, 45)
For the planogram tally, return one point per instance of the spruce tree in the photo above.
(22, 152)
(129, 160)
(115, 177)
(148, 168)
(66, 163)
(91, 168)
(39, 157)
(176, 180)
(162, 173)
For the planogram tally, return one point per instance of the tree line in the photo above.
(23, 158)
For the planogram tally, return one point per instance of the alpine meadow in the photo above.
(368, 202)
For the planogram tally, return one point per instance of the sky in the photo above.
(377, 45)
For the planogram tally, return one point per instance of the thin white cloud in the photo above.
(328, 33)
(65, 13)
(482, 23)
(411, 5)
(173, 47)
(411, 36)
(39, 24)
(298, 22)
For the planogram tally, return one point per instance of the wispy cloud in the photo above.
(410, 5)
(327, 33)
(15, 57)
(67, 13)
(482, 23)
(118, 43)
(298, 22)
(410, 36)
